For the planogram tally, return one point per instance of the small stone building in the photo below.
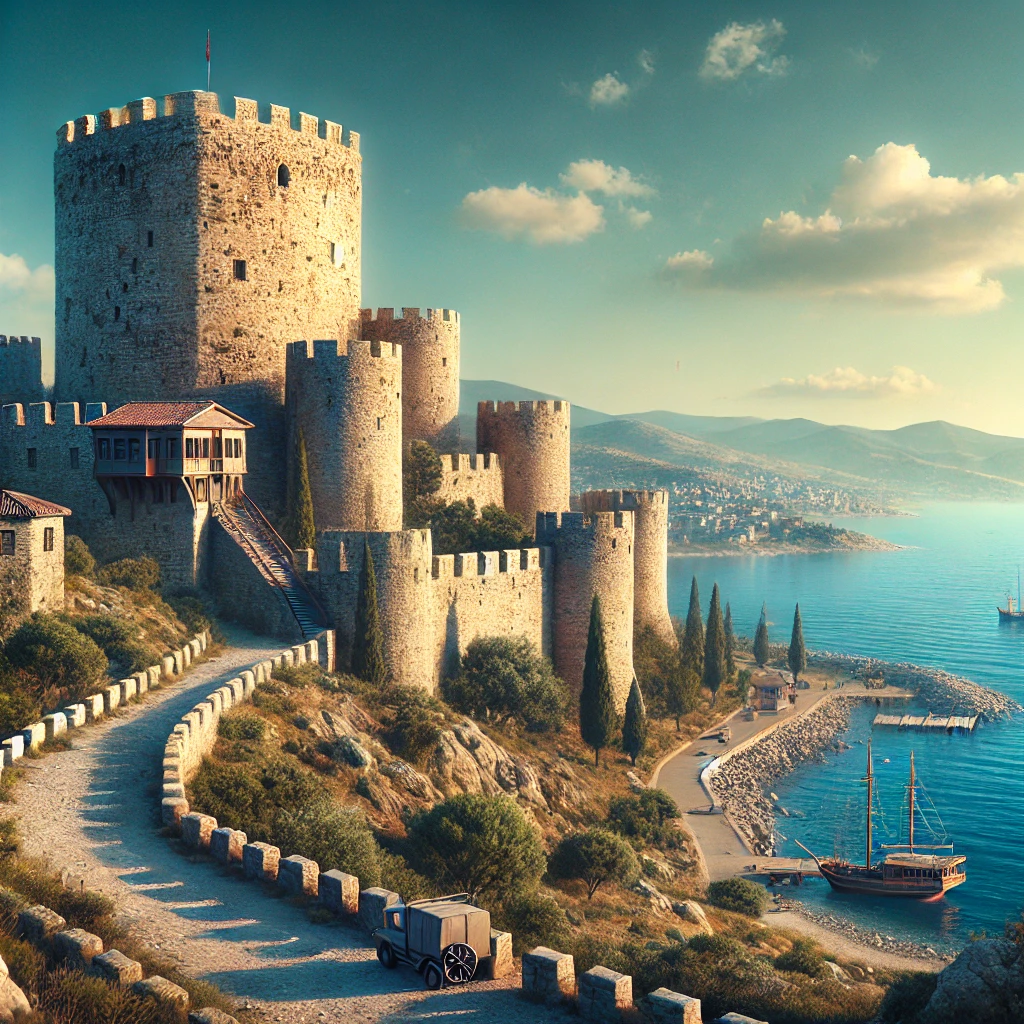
(31, 552)
(773, 691)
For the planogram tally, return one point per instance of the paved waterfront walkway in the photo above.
(723, 851)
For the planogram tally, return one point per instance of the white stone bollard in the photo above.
(13, 748)
(111, 698)
(167, 666)
(55, 724)
(129, 689)
(34, 735)
(75, 714)
(142, 682)
(93, 707)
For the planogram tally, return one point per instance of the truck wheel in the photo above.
(386, 955)
(432, 976)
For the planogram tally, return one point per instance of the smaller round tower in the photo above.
(430, 370)
(532, 441)
(593, 555)
(650, 552)
(349, 409)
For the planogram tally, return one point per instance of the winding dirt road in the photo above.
(94, 809)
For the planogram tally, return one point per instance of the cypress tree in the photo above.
(797, 656)
(761, 648)
(303, 527)
(715, 670)
(368, 645)
(692, 651)
(598, 718)
(682, 692)
(634, 728)
(730, 642)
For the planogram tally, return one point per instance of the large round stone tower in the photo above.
(650, 552)
(532, 441)
(430, 371)
(349, 408)
(593, 555)
(192, 246)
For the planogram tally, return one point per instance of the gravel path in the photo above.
(94, 809)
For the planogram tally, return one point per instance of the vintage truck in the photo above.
(444, 939)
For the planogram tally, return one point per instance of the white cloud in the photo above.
(645, 58)
(597, 176)
(739, 48)
(847, 382)
(689, 263)
(638, 219)
(893, 232)
(608, 91)
(865, 58)
(16, 277)
(545, 218)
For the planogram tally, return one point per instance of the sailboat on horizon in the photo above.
(910, 874)
(1011, 613)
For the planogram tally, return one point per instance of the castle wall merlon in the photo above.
(13, 415)
(40, 414)
(68, 414)
(14, 339)
(386, 314)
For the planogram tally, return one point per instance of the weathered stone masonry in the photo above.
(21, 369)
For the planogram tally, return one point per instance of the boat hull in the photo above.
(871, 883)
(1008, 616)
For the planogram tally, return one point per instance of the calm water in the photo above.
(934, 604)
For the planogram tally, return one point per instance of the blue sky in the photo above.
(635, 206)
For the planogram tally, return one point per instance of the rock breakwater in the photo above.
(943, 692)
(741, 780)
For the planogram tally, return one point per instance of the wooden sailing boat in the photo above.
(1011, 613)
(922, 876)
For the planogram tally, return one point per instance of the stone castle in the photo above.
(194, 253)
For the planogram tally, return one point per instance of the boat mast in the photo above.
(868, 779)
(911, 801)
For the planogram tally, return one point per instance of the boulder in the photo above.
(162, 990)
(984, 983)
(659, 902)
(14, 1007)
(691, 911)
(348, 750)
(208, 1015)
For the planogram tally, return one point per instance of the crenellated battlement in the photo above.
(485, 462)
(469, 564)
(11, 340)
(326, 350)
(552, 527)
(47, 414)
(610, 500)
(409, 313)
(525, 409)
(190, 105)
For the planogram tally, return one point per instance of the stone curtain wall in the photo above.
(347, 400)
(171, 319)
(592, 556)
(472, 476)
(430, 370)
(650, 552)
(174, 533)
(433, 606)
(532, 441)
(21, 369)
(31, 571)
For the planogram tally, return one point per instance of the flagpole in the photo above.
(207, 60)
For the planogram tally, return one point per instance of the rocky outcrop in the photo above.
(468, 761)
(14, 1007)
(740, 781)
(984, 983)
(693, 912)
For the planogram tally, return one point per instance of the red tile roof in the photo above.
(161, 414)
(15, 505)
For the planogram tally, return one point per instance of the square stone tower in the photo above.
(191, 247)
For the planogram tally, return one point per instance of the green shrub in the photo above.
(120, 639)
(241, 725)
(54, 655)
(645, 818)
(805, 957)
(417, 719)
(333, 836)
(505, 678)
(25, 963)
(739, 895)
(134, 573)
(19, 703)
(191, 610)
(455, 527)
(78, 560)
(595, 857)
(907, 997)
(396, 875)
(533, 919)
(483, 845)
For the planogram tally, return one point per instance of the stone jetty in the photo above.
(741, 779)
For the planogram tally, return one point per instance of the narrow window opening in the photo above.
(283, 176)
(104, 446)
(32, 461)
(74, 458)
(240, 270)
(122, 175)
(47, 538)
(135, 265)
(7, 542)
(189, 448)
(444, 360)
(206, 448)
(117, 312)
(149, 239)
(134, 450)
(119, 450)
(380, 423)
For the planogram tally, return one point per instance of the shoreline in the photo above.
(773, 551)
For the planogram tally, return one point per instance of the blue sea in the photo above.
(933, 603)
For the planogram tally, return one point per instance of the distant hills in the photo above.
(933, 460)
